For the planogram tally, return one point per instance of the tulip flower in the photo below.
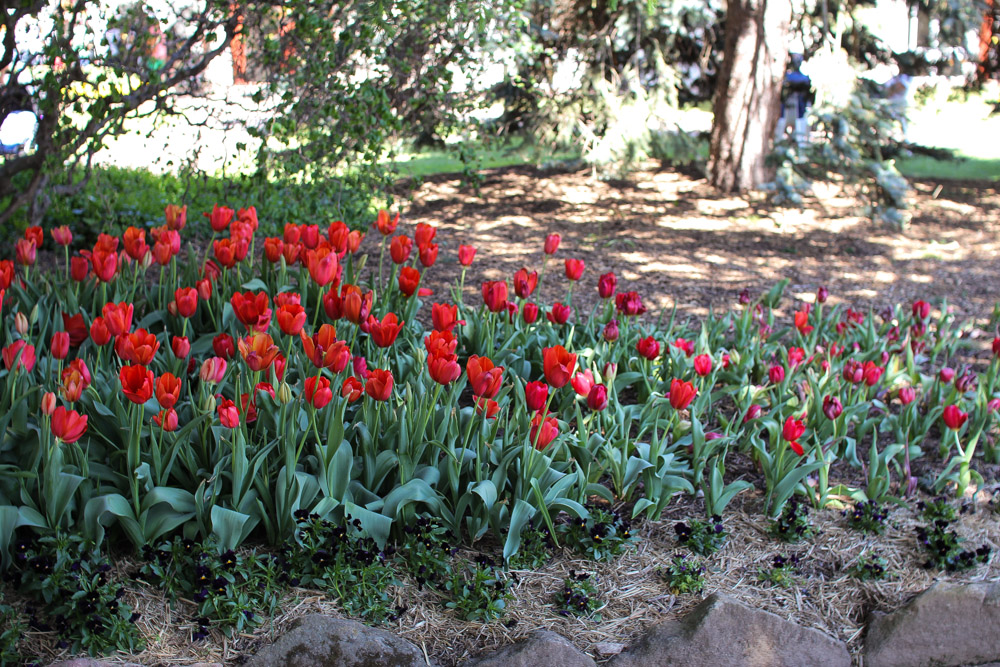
(384, 332)
(597, 398)
(99, 332)
(25, 361)
(543, 431)
(583, 382)
(802, 321)
(219, 217)
(686, 345)
(62, 235)
(681, 394)
(385, 224)
(629, 304)
(954, 417)
(822, 294)
(610, 372)
(59, 347)
(558, 365)
(400, 248)
(648, 347)
(105, 264)
(117, 317)
(466, 253)
(48, 405)
(68, 425)
(26, 252)
(530, 313)
(495, 295)
(443, 368)
(35, 234)
(166, 419)
(187, 301)
(229, 416)
(291, 318)
(535, 395)
(703, 364)
(310, 236)
(318, 394)
(258, 351)
(486, 406)
(484, 377)
(75, 327)
(379, 384)
(921, 310)
(213, 370)
(440, 343)
(611, 331)
(907, 395)
(996, 347)
(351, 389)
(574, 269)
(253, 310)
(753, 412)
(168, 390)
(552, 243)
(796, 355)
(224, 346)
(854, 371)
(946, 374)
(792, 431)
(559, 314)
(322, 264)
(871, 373)
(137, 383)
(444, 317)
(356, 305)
(525, 283)
(428, 254)
(408, 281)
(606, 285)
(138, 347)
(134, 241)
(176, 216)
(324, 350)
(424, 233)
(180, 346)
(832, 407)
(776, 373)
(79, 268)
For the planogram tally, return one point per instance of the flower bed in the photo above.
(191, 404)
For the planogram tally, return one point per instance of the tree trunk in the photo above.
(748, 97)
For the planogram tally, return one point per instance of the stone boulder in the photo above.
(722, 631)
(542, 648)
(321, 641)
(948, 624)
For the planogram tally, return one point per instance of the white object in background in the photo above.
(17, 130)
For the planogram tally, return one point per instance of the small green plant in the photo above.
(426, 551)
(937, 509)
(79, 599)
(702, 537)
(867, 516)
(602, 537)
(781, 573)
(794, 524)
(534, 551)
(870, 566)
(579, 596)
(479, 592)
(684, 575)
(11, 631)
(944, 548)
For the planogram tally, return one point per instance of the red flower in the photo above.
(681, 394)
(559, 313)
(117, 318)
(752, 413)
(48, 405)
(611, 331)
(907, 395)
(822, 294)
(324, 350)
(525, 283)
(484, 377)
(409, 280)
(219, 217)
(181, 346)
(310, 235)
(629, 304)
(105, 264)
(606, 285)
(68, 425)
(776, 373)
(319, 396)
(385, 224)
(258, 351)
(204, 287)
(322, 264)
(703, 364)
(583, 382)
(134, 241)
(62, 235)
(466, 253)
(224, 346)
(273, 248)
(440, 343)
(137, 383)
(6, 273)
(443, 368)
(213, 370)
(252, 310)
(187, 301)
(168, 390)
(552, 243)
(75, 327)
(832, 407)
(379, 384)
(384, 333)
(138, 347)
(25, 361)
(354, 240)
(597, 399)
(26, 252)
(530, 313)
(495, 295)
(59, 347)
(424, 233)
(352, 389)
(535, 395)
(35, 234)
(229, 416)
(872, 373)
(558, 365)
(445, 316)
(291, 319)
(176, 216)
(954, 417)
(792, 431)
(996, 346)
(79, 267)
(802, 320)
(355, 304)
(686, 345)
(574, 269)
(99, 332)
(648, 347)
(921, 310)
(166, 419)
(78, 366)
(486, 406)
(399, 248)
(543, 432)
(428, 254)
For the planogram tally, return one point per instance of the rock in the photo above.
(321, 641)
(91, 662)
(609, 648)
(948, 624)
(541, 648)
(722, 631)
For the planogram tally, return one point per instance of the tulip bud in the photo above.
(996, 346)
(753, 412)
(610, 372)
(48, 404)
(822, 294)
(59, 345)
(611, 331)
(208, 405)
(947, 374)
(597, 399)
(535, 395)
(906, 395)
(552, 243)
(284, 394)
(20, 323)
(832, 407)
(776, 374)
(530, 312)
(744, 297)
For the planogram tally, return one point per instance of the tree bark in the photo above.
(748, 98)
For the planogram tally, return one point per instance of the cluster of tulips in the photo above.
(244, 385)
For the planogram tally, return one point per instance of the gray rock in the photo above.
(722, 631)
(946, 625)
(321, 641)
(541, 648)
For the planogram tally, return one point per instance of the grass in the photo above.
(419, 163)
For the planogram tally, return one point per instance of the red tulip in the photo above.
(76, 328)
(252, 310)
(558, 365)
(134, 241)
(356, 305)
(443, 368)
(686, 345)
(495, 295)
(872, 373)
(954, 417)
(996, 346)
(802, 321)
(6, 273)
(138, 347)
(409, 280)
(168, 390)
(26, 252)
(822, 294)
(35, 234)
(445, 316)
(611, 331)
(535, 395)
(25, 361)
(525, 283)
(946, 374)
(606, 285)
(440, 343)
(583, 382)
(486, 406)
(323, 265)
(176, 216)
(319, 396)
(99, 332)
(291, 319)
(921, 310)
(273, 248)
(792, 430)
(552, 243)
(137, 383)
(681, 394)
(385, 224)
(597, 399)
(59, 347)
(224, 346)
(629, 304)
(484, 377)
(648, 347)
(117, 318)
(258, 351)
(832, 407)
(796, 355)
(213, 370)
(181, 346)
(166, 419)
(428, 254)
(379, 384)
(62, 235)
(399, 248)
(68, 425)
(354, 240)
(324, 350)
(530, 313)
(466, 253)
(204, 287)
(424, 233)
(310, 236)
(907, 395)
(753, 412)
(543, 432)
(574, 269)
(559, 314)
(105, 264)
(48, 405)
(79, 267)
(703, 364)
(219, 217)
(229, 416)
(776, 373)
(351, 389)
(187, 301)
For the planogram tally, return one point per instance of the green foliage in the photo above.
(535, 550)
(937, 509)
(12, 628)
(781, 573)
(478, 591)
(868, 516)
(944, 551)
(869, 566)
(702, 537)
(427, 551)
(684, 575)
(579, 596)
(603, 536)
(794, 524)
